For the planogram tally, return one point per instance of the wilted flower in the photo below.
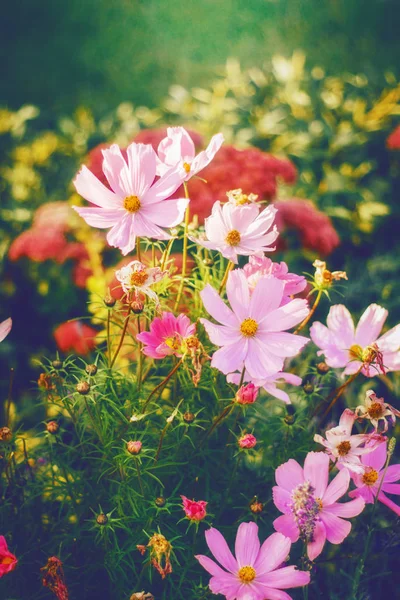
(135, 205)
(5, 328)
(309, 503)
(344, 447)
(252, 332)
(160, 553)
(136, 276)
(166, 336)
(8, 561)
(247, 441)
(262, 266)
(178, 150)
(256, 572)
(269, 384)
(239, 230)
(53, 578)
(246, 394)
(195, 510)
(360, 348)
(238, 198)
(323, 278)
(375, 478)
(375, 409)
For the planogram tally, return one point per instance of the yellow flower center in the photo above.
(233, 238)
(139, 278)
(370, 477)
(132, 204)
(320, 504)
(249, 327)
(376, 410)
(356, 352)
(173, 342)
(247, 574)
(186, 166)
(344, 448)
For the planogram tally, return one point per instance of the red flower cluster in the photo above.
(393, 141)
(315, 229)
(46, 240)
(76, 337)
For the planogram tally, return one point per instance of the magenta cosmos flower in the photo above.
(5, 328)
(239, 230)
(262, 266)
(178, 150)
(135, 205)
(345, 448)
(269, 384)
(344, 346)
(368, 482)
(255, 573)
(252, 332)
(8, 561)
(309, 503)
(166, 335)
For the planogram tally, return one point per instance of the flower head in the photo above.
(269, 384)
(309, 503)
(178, 150)
(253, 333)
(195, 510)
(359, 348)
(376, 409)
(239, 230)
(247, 441)
(256, 572)
(160, 553)
(136, 276)
(345, 448)
(324, 278)
(135, 205)
(262, 266)
(375, 478)
(238, 198)
(134, 447)
(5, 328)
(167, 335)
(8, 561)
(53, 578)
(246, 394)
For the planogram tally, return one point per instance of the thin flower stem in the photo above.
(108, 338)
(9, 397)
(185, 249)
(153, 255)
(121, 341)
(164, 431)
(140, 361)
(226, 275)
(310, 314)
(218, 420)
(162, 384)
(339, 392)
(89, 411)
(166, 254)
(138, 251)
(139, 477)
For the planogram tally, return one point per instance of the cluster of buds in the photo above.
(305, 509)
(375, 409)
(160, 553)
(195, 510)
(323, 278)
(238, 198)
(53, 578)
(247, 394)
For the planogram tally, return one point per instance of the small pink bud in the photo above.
(247, 441)
(134, 447)
(194, 510)
(247, 394)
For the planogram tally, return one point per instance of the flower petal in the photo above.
(230, 358)
(370, 325)
(210, 566)
(337, 487)
(142, 167)
(167, 213)
(217, 308)
(346, 509)
(120, 235)
(282, 499)
(5, 328)
(102, 218)
(238, 293)
(289, 475)
(205, 157)
(341, 324)
(315, 548)
(286, 316)
(219, 334)
(316, 470)
(285, 578)
(286, 525)
(273, 553)
(89, 187)
(220, 549)
(116, 170)
(389, 503)
(337, 529)
(247, 544)
(266, 297)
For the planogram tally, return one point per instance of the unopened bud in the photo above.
(160, 502)
(134, 447)
(57, 364)
(142, 596)
(101, 519)
(109, 301)
(308, 387)
(91, 369)
(137, 307)
(83, 387)
(189, 417)
(208, 262)
(247, 441)
(289, 419)
(52, 427)
(5, 434)
(256, 507)
(323, 368)
(391, 447)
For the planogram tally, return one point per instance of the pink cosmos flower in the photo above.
(178, 150)
(261, 266)
(136, 276)
(246, 394)
(166, 335)
(309, 503)
(195, 510)
(8, 561)
(135, 205)
(368, 482)
(270, 383)
(376, 409)
(344, 346)
(252, 332)
(343, 447)
(247, 441)
(256, 573)
(5, 328)
(239, 230)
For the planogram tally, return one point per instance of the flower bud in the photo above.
(247, 394)
(91, 369)
(141, 596)
(52, 427)
(189, 417)
(83, 387)
(247, 441)
(308, 387)
(134, 447)
(101, 519)
(109, 301)
(195, 510)
(160, 502)
(57, 364)
(256, 507)
(208, 262)
(5, 435)
(323, 368)
(137, 307)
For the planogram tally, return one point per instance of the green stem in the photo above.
(339, 392)
(139, 477)
(229, 268)
(185, 249)
(121, 341)
(310, 314)
(161, 385)
(140, 361)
